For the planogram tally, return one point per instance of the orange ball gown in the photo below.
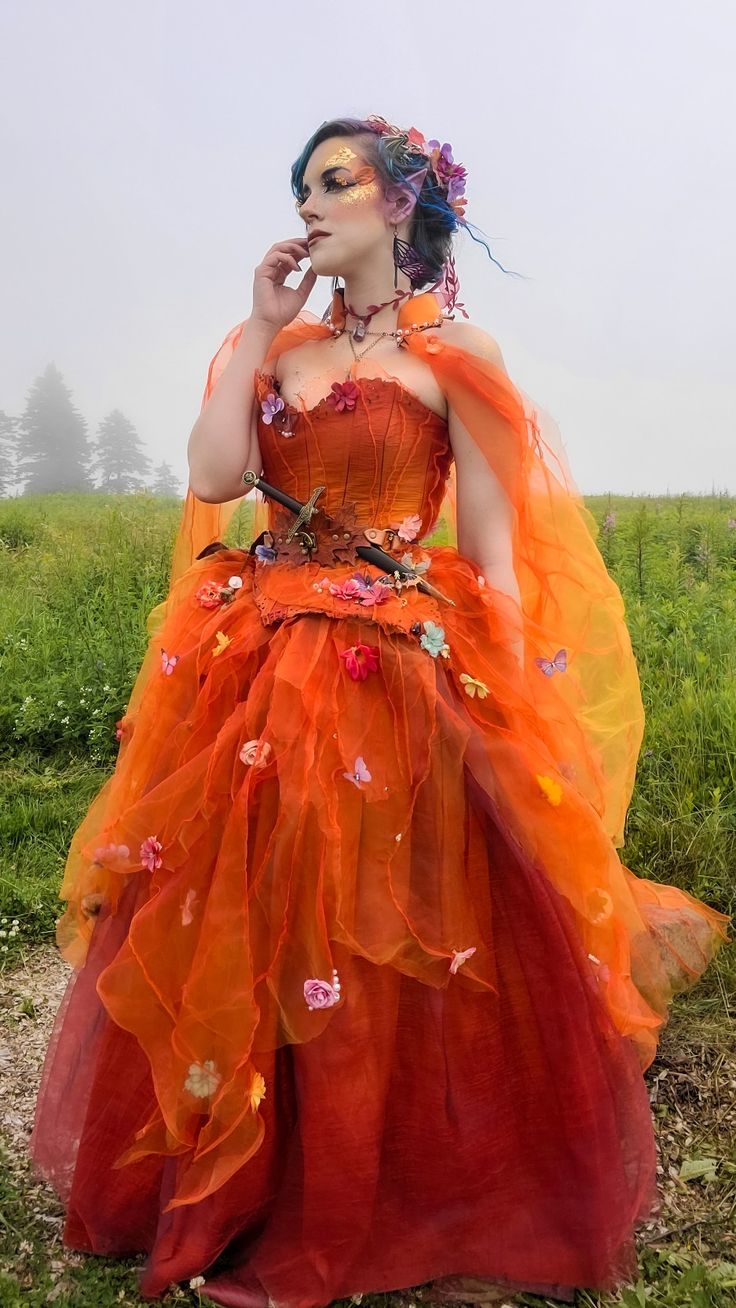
(362, 992)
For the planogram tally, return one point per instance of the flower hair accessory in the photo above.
(449, 175)
(449, 178)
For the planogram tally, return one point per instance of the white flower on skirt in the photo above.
(203, 1079)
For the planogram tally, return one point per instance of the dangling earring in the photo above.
(409, 260)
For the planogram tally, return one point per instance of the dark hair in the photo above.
(433, 221)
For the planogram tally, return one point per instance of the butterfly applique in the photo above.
(168, 663)
(557, 664)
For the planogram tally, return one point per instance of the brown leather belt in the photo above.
(329, 540)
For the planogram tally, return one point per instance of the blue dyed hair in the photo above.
(433, 221)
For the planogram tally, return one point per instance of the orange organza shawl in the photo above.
(568, 599)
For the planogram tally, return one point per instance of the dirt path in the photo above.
(691, 1084)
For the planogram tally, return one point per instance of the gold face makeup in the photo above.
(349, 177)
(365, 186)
(341, 158)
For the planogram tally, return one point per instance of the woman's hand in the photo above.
(274, 304)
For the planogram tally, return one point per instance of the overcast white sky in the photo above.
(146, 150)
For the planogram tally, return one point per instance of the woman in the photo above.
(364, 993)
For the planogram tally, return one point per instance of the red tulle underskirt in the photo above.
(426, 1132)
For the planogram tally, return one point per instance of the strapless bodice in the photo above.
(371, 442)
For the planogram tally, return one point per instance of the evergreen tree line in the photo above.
(47, 448)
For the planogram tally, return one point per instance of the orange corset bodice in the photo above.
(371, 443)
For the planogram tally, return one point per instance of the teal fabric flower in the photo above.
(433, 640)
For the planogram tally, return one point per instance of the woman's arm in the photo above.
(485, 514)
(224, 439)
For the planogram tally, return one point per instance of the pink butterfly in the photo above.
(557, 664)
(361, 772)
(168, 664)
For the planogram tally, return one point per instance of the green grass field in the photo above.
(78, 577)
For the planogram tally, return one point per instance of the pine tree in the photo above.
(8, 453)
(53, 450)
(165, 482)
(120, 463)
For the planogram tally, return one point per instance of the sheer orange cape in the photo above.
(561, 772)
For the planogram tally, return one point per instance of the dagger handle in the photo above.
(252, 479)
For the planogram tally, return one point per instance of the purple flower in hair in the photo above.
(448, 173)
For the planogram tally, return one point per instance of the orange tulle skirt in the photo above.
(338, 1027)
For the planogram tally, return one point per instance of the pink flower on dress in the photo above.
(149, 853)
(322, 994)
(377, 593)
(255, 753)
(349, 589)
(120, 726)
(344, 395)
(360, 660)
(360, 587)
(409, 527)
(459, 956)
(272, 405)
(111, 854)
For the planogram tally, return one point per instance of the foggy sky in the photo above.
(145, 159)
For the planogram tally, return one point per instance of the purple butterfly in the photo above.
(557, 664)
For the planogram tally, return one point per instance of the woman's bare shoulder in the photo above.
(469, 336)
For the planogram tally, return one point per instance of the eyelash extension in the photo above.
(330, 184)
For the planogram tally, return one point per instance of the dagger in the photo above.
(370, 553)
